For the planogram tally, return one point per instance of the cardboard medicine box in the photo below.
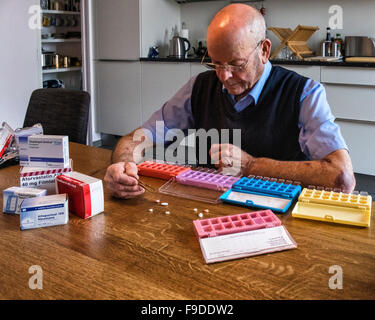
(86, 198)
(44, 151)
(13, 198)
(44, 212)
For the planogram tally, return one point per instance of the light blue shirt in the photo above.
(318, 137)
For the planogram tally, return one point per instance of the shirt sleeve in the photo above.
(319, 134)
(175, 113)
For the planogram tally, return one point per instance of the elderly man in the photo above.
(287, 128)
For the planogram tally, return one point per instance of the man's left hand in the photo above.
(230, 159)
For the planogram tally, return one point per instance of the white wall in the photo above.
(358, 17)
(158, 19)
(19, 60)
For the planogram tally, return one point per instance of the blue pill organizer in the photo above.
(262, 193)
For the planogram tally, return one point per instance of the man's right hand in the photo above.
(122, 179)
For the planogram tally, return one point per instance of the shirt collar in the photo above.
(258, 87)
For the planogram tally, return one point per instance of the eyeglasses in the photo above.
(228, 67)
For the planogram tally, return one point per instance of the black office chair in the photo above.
(61, 112)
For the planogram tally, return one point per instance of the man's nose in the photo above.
(224, 74)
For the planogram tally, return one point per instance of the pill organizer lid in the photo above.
(174, 188)
(327, 213)
(266, 187)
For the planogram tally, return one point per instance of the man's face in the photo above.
(238, 82)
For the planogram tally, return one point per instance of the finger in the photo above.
(120, 187)
(214, 149)
(131, 170)
(128, 195)
(118, 175)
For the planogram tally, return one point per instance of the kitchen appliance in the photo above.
(358, 46)
(177, 48)
(200, 51)
(48, 59)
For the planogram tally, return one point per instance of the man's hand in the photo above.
(122, 179)
(230, 159)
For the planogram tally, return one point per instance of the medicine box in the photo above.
(42, 178)
(36, 129)
(44, 212)
(6, 136)
(207, 178)
(262, 193)
(160, 170)
(44, 151)
(86, 198)
(338, 207)
(14, 196)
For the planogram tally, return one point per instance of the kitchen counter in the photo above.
(280, 62)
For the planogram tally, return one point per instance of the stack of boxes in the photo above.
(48, 187)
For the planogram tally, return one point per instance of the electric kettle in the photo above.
(178, 48)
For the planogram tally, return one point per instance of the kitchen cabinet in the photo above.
(117, 29)
(351, 95)
(312, 72)
(160, 81)
(360, 137)
(119, 96)
(196, 68)
(355, 76)
(351, 102)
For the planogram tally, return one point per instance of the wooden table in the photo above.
(129, 253)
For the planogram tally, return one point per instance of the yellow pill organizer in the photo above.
(353, 209)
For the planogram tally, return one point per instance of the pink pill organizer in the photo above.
(207, 178)
(160, 170)
(241, 235)
(236, 223)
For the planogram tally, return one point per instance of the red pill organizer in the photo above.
(242, 235)
(160, 170)
(85, 193)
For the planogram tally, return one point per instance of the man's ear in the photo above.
(266, 50)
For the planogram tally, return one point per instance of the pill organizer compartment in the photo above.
(235, 223)
(337, 207)
(207, 178)
(160, 170)
(273, 194)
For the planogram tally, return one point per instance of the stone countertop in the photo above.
(279, 61)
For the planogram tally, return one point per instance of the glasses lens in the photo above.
(210, 65)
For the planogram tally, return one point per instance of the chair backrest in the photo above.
(61, 112)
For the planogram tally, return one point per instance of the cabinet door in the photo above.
(117, 29)
(359, 137)
(160, 81)
(351, 102)
(118, 96)
(312, 72)
(196, 68)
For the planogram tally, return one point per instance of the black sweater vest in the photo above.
(268, 129)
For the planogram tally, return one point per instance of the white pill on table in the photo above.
(150, 210)
(200, 215)
(206, 210)
(167, 212)
(157, 201)
(195, 210)
(164, 203)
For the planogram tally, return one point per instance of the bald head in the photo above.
(236, 26)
